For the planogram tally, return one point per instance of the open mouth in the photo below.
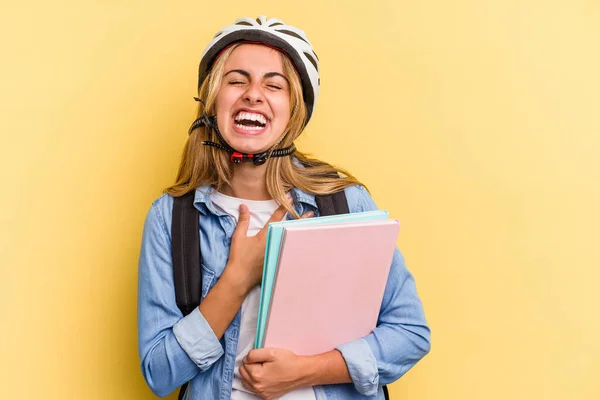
(250, 121)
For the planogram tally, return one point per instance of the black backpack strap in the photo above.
(333, 204)
(185, 247)
(182, 391)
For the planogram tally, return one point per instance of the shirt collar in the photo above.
(300, 196)
(303, 197)
(203, 202)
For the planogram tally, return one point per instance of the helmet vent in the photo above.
(294, 34)
(312, 61)
(243, 23)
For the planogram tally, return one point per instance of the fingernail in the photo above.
(243, 208)
(291, 200)
(310, 214)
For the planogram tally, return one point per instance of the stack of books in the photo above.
(323, 280)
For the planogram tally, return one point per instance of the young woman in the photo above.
(258, 83)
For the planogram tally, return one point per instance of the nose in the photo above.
(254, 93)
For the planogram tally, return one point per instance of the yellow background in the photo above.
(476, 123)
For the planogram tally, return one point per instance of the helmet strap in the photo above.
(236, 157)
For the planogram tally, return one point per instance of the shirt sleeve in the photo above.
(401, 337)
(172, 348)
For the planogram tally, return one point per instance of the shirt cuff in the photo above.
(362, 366)
(198, 340)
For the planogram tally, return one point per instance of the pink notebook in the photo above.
(329, 285)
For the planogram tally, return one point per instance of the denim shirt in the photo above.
(175, 349)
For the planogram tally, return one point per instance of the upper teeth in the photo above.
(251, 117)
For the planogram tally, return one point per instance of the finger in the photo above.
(248, 386)
(260, 356)
(278, 214)
(308, 214)
(276, 217)
(245, 374)
(243, 220)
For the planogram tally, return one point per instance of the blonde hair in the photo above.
(204, 165)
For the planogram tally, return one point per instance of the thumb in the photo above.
(260, 356)
(243, 220)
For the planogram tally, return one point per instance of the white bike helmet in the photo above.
(272, 32)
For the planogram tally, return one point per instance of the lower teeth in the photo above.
(249, 128)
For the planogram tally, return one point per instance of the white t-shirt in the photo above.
(260, 212)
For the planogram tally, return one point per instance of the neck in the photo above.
(248, 182)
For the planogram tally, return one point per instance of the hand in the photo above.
(247, 253)
(271, 373)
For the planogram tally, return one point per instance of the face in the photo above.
(253, 102)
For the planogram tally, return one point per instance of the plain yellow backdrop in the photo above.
(476, 123)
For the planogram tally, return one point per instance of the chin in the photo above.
(247, 146)
(251, 149)
(250, 144)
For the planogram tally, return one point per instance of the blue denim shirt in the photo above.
(175, 349)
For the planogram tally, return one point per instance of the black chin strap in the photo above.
(236, 157)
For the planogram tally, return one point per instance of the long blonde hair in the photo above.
(204, 165)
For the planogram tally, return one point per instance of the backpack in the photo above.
(185, 227)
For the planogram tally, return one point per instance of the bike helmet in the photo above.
(274, 33)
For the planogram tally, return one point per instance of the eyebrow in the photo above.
(247, 74)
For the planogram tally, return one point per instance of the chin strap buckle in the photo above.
(257, 159)
(236, 157)
(260, 159)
